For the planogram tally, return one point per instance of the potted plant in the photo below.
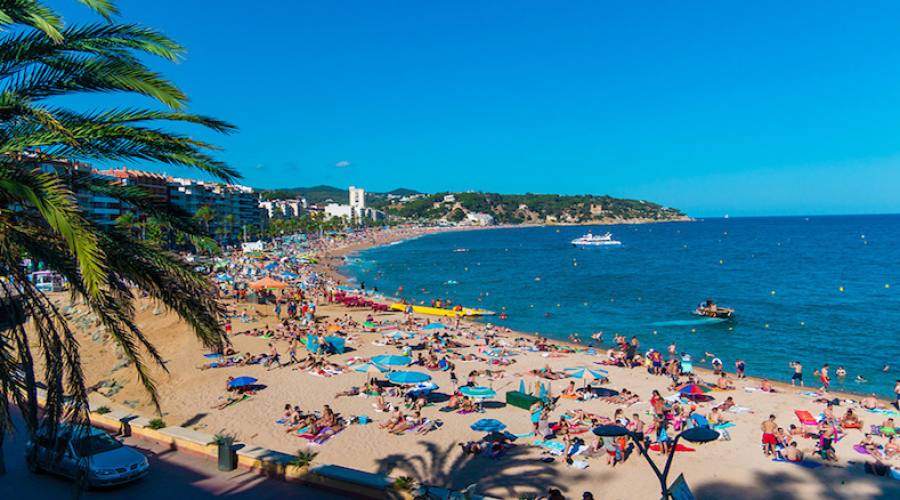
(404, 486)
(301, 462)
(227, 457)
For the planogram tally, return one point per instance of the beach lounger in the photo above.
(806, 417)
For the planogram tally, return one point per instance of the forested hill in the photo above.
(504, 208)
(532, 208)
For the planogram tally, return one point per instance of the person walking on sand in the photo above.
(797, 377)
(769, 440)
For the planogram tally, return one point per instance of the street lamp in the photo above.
(694, 435)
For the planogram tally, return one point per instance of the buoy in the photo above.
(557, 305)
(773, 292)
(721, 261)
(654, 332)
(887, 285)
(730, 328)
(841, 289)
(693, 330)
(766, 325)
(803, 323)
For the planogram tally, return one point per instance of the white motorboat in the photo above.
(591, 240)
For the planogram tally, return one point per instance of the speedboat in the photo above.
(709, 309)
(590, 240)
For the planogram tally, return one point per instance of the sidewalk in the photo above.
(173, 475)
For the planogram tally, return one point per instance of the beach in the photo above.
(721, 469)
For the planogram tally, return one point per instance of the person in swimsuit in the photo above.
(797, 377)
(826, 380)
(769, 440)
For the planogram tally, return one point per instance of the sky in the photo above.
(750, 108)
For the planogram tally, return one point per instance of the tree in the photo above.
(41, 60)
(205, 214)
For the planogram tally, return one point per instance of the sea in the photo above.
(817, 290)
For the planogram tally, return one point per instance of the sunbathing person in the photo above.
(353, 391)
(766, 386)
(792, 453)
(408, 423)
(869, 402)
(724, 383)
(870, 446)
(395, 418)
(468, 405)
(851, 420)
(892, 448)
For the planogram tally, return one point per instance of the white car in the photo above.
(85, 454)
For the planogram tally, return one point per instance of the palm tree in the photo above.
(42, 59)
(206, 215)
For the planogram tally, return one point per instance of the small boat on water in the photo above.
(710, 309)
(590, 240)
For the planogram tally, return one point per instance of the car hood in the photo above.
(120, 457)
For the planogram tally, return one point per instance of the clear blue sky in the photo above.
(747, 108)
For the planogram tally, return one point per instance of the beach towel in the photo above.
(805, 417)
(809, 394)
(726, 425)
(550, 445)
(809, 464)
(861, 449)
(528, 434)
(579, 464)
(679, 447)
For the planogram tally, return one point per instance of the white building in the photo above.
(284, 209)
(479, 219)
(357, 198)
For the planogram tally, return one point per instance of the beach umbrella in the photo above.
(488, 425)
(242, 382)
(391, 360)
(693, 389)
(434, 326)
(480, 392)
(267, 284)
(371, 369)
(408, 377)
(585, 373)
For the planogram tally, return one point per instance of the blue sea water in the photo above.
(813, 289)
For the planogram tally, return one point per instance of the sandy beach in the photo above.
(721, 469)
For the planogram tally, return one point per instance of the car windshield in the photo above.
(92, 445)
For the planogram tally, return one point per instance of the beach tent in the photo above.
(267, 284)
(337, 344)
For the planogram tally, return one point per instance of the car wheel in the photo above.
(31, 462)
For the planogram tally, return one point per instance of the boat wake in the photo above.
(690, 322)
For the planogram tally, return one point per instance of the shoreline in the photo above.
(782, 387)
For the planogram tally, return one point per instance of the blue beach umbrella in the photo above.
(434, 326)
(391, 360)
(242, 382)
(478, 392)
(488, 425)
(408, 377)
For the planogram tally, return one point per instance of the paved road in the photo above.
(172, 476)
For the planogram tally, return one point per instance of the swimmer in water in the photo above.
(840, 372)
(886, 368)
(860, 379)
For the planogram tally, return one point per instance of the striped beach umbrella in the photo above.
(693, 389)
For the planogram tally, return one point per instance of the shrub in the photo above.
(156, 424)
(103, 410)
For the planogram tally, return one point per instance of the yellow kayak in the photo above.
(437, 311)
